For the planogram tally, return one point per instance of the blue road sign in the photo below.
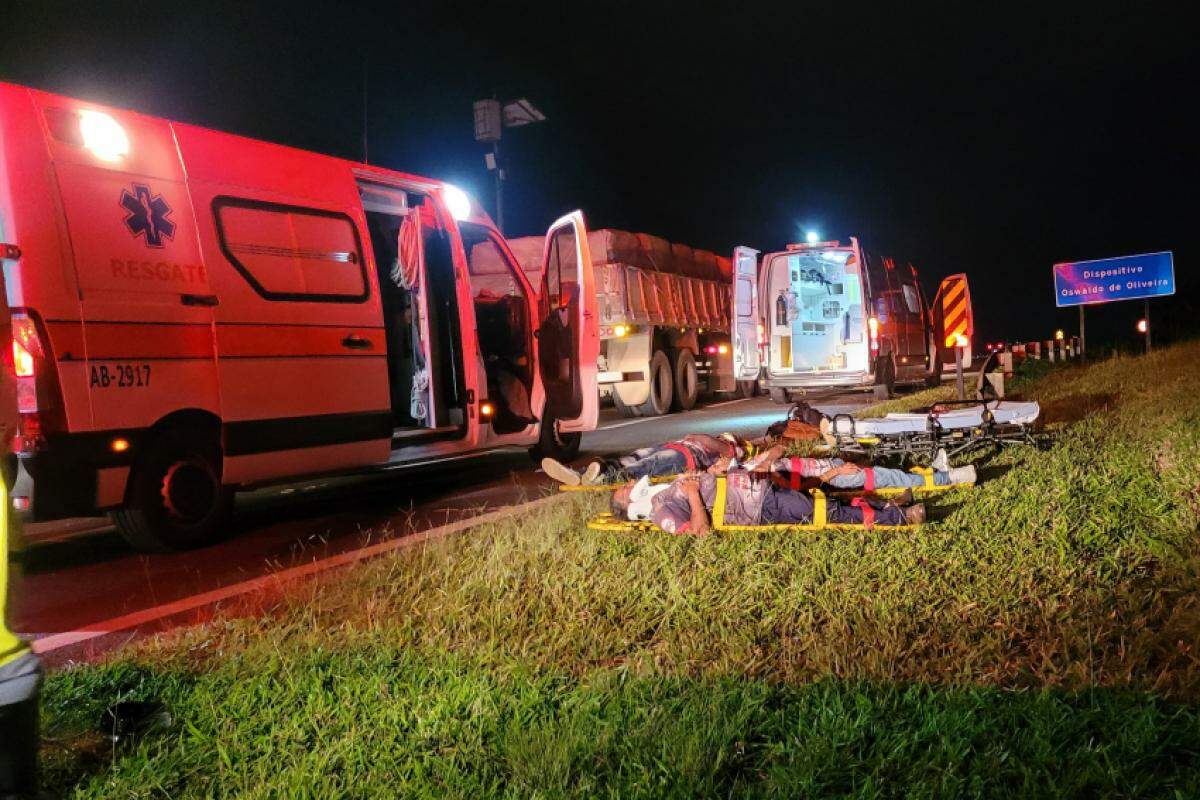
(1108, 279)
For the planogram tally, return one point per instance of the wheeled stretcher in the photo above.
(608, 522)
(956, 427)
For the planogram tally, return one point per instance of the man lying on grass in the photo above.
(685, 505)
(698, 452)
(842, 474)
(694, 452)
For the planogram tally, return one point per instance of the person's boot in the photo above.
(963, 474)
(941, 462)
(560, 472)
(914, 514)
(591, 475)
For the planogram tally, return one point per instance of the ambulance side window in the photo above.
(560, 267)
(292, 253)
(911, 299)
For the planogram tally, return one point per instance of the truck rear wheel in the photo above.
(175, 499)
(662, 384)
(687, 381)
(779, 396)
(747, 389)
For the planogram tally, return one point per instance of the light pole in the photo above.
(491, 118)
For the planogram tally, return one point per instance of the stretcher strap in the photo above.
(688, 456)
(867, 511)
(927, 473)
(869, 477)
(718, 513)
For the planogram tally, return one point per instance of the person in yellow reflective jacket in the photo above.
(20, 676)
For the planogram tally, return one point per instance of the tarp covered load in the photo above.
(644, 279)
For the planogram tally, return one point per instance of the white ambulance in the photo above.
(195, 313)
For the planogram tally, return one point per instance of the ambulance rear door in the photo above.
(568, 336)
(745, 322)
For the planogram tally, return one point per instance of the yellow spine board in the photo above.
(607, 522)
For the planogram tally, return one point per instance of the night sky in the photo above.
(994, 142)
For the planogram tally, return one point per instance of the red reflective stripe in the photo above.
(867, 511)
(870, 479)
(688, 457)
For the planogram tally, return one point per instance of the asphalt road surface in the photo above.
(76, 573)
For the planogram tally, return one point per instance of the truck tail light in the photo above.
(36, 383)
(873, 330)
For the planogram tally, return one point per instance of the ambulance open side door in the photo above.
(745, 323)
(568, 336)
(953, 318)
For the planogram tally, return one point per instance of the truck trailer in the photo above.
(664, 320)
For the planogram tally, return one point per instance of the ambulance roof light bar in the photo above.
(813, 245)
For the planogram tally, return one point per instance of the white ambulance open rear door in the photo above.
(744, 326)
(568, 337)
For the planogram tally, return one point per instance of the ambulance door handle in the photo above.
(199, 300)
(356, 342)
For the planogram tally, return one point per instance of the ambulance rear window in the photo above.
(292, 253)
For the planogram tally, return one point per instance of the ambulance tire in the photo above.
(747, 389)
(933, 378)
(175, 498)
(780, 396)
(687, 381)
(885, 375)
(554, 444)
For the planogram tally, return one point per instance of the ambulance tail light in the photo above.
(873, 330)
(36, 383)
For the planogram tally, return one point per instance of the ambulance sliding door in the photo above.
(569, 330)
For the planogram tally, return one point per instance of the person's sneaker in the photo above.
(560, 472)
(941, 462)
(914, 514)
(963, 474)
(591, 475)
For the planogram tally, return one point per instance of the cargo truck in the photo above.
(665, 320)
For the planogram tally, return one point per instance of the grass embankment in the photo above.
(1040, 638)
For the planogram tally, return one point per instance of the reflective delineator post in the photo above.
(958, 375)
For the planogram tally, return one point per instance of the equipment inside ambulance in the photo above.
(196, 313)
(826, 314)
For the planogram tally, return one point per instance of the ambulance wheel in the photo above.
(933, 378)
(885, 375)
(175, 499)
(687, 381)
(747, 389)
(552, 443)
(779, 396)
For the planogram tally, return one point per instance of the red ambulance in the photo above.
(195, 313)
